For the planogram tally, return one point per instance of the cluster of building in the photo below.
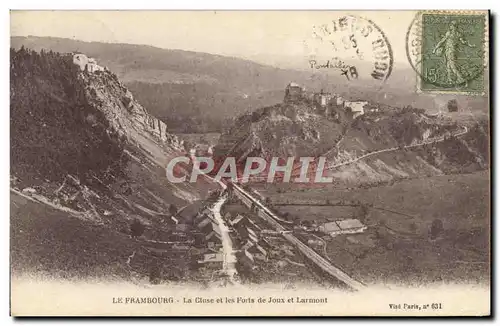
(247, 235)
(208, 233)
(183, 240)
(198, 237)
(295, 92)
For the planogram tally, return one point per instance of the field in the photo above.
(398, 246)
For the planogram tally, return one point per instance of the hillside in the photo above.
(288, 129)
(87, 167)
(200, 92)
(303, 128)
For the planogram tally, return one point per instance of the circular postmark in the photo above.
(354, 46)
(446, 50)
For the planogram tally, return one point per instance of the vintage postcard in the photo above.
(250, 163)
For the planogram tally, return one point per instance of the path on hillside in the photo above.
(433, 141)
(336, 146)
(436, 140)
(36, 198)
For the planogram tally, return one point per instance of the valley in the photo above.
(396, 246)
(408, 201)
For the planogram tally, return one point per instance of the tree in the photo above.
(172, 209)
(137, 228)
(286, 216)
(452, 105)
(154, 273)
(364, 210)
(436, 229)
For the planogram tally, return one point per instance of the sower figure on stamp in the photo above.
(450, 44)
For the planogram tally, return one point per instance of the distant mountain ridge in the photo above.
(182, 87)
(147, 63)
(201, 92)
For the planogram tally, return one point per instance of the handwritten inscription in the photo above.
(349, 71)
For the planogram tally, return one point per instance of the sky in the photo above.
(272, 37)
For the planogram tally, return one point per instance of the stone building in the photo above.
(294, 92)
(339, 101)
(356, 107)
(323, 99)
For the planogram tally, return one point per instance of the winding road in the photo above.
(433, 141)
(229, 259)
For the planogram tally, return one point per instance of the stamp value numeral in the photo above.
(432, 74)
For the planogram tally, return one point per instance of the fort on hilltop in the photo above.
(294, 92)
(85, 63)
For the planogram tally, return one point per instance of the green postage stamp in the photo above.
(448, 51)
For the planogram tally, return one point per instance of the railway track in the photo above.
(317, 259)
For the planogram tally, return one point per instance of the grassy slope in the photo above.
(46, 240)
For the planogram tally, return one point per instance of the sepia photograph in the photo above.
(250, 163)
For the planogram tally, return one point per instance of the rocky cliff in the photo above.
(128, 117)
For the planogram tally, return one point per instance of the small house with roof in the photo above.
(347, 226)
(212, 260)
(246, 259)
(211, 231)
(256, 250)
